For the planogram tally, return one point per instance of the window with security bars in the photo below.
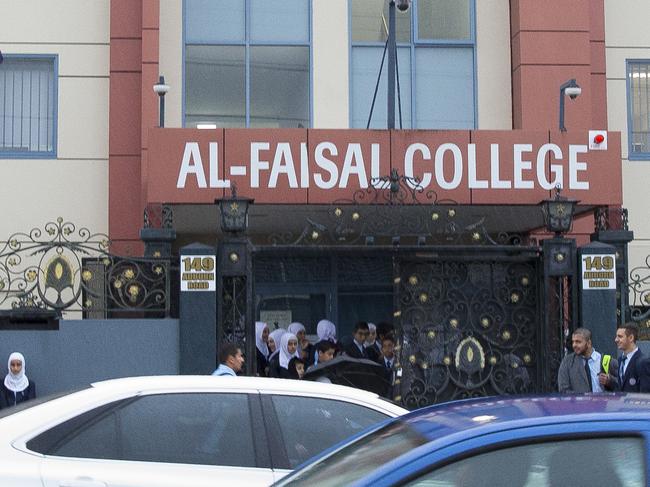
(28, 100)
(638, 94)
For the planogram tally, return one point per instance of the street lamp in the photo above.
(571, 89)
(403, 6)
(558, 213)
(161, 89)
(234, 212)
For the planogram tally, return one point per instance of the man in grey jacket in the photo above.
(585, 369)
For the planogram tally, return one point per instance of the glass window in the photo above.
(444, 87)
(275, 21)
(360, 457)
(435, 66)
(370, 22)
(247, 71)
(639, 109)
(206, 429)
(279, 81)
(211, 71)
(365, 69)
(443, 19)
(604, 461)
(202, 25)
(28, 100)
(309, 425)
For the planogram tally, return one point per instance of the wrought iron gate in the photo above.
(470, 326)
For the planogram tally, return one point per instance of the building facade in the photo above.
(286, 100)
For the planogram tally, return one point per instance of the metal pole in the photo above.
(391, 64)
(161, 122)
(562, 127)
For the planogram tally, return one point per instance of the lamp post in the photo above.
(558, 213)
(161, 90)
(403, 6)
(573, 91)
(234, 212)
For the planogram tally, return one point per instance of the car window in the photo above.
(357, 459)
(309, 425)
(616, 462)
(208, 429)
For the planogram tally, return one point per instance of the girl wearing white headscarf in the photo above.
(17, 387)
(262, 349)
(279, 366)
(274, 342)
(305, 349)
(326, 330)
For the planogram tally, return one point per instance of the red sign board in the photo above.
(319, 166)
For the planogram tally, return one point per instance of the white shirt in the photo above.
(594, 367)
(628, 359)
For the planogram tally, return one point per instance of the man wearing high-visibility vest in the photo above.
(585, 369)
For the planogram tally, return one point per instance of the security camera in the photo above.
(403, 5)
(573, 92)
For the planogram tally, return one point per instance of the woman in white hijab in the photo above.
(274, 342)
(17, 387)
(279, 366)
(261, 339)
(305, 349)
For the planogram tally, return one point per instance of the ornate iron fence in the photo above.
(63, 268)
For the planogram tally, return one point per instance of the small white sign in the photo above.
(275, 319)
(598, 140)
(198, 273)
(598, 272)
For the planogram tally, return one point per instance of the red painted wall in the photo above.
(133, 110)
(553, 41)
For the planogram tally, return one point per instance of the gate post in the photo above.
(611, 227)
(197, 310)
(560, 299)
(598, 294)
(235, 323)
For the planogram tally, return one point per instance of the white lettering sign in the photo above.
(438, 167)
(598, 272)
(198, 273)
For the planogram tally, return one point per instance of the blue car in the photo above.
(579, 440)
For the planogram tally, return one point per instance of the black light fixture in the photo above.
(234, 212)
(161, 90)
(558, 213)
(572, 90)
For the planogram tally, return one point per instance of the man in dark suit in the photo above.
(355, 349)
(634, 368)
(387, 359)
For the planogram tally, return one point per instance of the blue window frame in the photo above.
(638, 109)
(247, 63)
(28, 106)
(436, 44)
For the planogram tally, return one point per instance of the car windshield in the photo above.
(353, 461)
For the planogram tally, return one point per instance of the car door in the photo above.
(166, 440)
(610, 453)
(303, 426)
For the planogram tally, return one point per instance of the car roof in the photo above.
(166, 382)
(496, 413)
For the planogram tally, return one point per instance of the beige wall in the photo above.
(73, 186)
(330, 72)
(171, 59)
(627, 37)
(493, 65)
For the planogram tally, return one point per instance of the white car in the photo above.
(180, 431)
